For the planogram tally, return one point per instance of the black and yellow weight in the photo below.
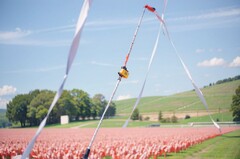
(123, 72)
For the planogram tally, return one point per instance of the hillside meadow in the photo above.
(218, 97)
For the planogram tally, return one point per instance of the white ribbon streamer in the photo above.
(197, 90)
(73, 50)
(143, 86)
(149, 66)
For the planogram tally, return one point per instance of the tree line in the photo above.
(225, 80)
(31, 108)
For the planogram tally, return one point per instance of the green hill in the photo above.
(218, 97)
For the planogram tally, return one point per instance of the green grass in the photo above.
(119, 121)
(223, 117)
(107, 123)
(221, 147)
(73, 124)
(217, 96)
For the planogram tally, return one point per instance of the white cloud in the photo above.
(35, 42)
(3, 103)
(200, 50)
(209, 50)
(224, 12)
(12, 35)
(213, 14)
(65, 28)
(215, 50)
(46, 69)
(122, 97)
(7, 90)
(219, 49)
(21, 37)
(235, 62)
(217, 18)
(112, 22)
(100, 64)
(212, 62)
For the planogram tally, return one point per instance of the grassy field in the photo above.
(218, 97)
(119, 121)
(107, 123)
(221, 147)
(222, 117)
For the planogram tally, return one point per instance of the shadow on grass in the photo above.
(226, 136)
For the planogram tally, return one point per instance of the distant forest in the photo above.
(225, 80)
(31, 108)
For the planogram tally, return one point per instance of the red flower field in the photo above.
(117, 143)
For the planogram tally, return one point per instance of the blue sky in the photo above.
(35, 38)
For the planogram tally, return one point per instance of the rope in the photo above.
(115, 89)
(100, 122)
(134, 37)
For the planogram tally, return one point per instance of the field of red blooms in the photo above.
(117, 143)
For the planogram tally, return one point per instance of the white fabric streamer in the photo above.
(149, 66)
(143, 86)
(71, 56)
(197, 90)
(80, 24)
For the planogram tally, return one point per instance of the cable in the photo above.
(122, 74)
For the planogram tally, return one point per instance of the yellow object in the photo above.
(123, 72)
